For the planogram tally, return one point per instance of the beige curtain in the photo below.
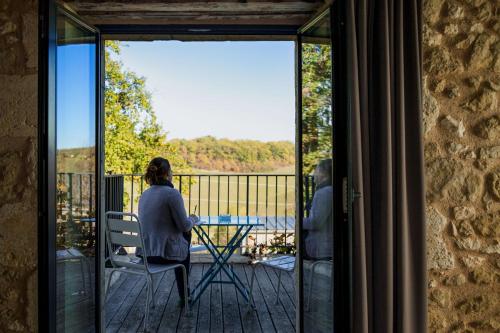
(389, 265)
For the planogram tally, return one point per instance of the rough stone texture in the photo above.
(462, 157)
(438, 255)
(431, 111)
(489, 128)
(453, 126)
(18, 144)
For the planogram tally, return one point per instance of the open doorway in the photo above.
(289, 244)
(223, 114)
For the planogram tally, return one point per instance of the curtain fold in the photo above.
(389, 264)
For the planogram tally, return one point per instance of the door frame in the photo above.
(342, 296)
(47, 172)
(341, 138)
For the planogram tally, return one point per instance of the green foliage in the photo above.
(133, 135)
(316, 104)
(209, 153)
(280, 244)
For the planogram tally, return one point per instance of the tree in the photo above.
(133, 135)
(316, 104)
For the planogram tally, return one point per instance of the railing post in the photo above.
(238, 195)
(132, 193)
(248, 195)
(189, 200)
(70, 195)
(90, 194)
(267, 206)
(286, 206)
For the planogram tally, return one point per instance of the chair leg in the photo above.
(278, 290)
(146, 314)
(89, 270)
(250, 297)
(82, 273)
(151, 290)
(108, 284)
(186, 296)
(311, 282)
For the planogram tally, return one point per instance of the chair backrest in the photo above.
(124, 229)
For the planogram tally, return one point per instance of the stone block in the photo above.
(430, 111)
(439, 62)
(493, 182)
(489, 128)
(438, 255)
(471, 261)
(454, 126)
(484, 101)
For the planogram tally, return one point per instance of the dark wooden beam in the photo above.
(266, 12)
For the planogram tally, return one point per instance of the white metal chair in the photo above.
(287, 264)
(127, 233)
(314, 266)
(72, 254)
(281, 264)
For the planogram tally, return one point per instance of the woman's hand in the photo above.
(194, 218)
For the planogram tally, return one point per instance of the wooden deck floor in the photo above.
(220, 308)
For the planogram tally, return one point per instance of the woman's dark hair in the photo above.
(158, 170)
(326, 168)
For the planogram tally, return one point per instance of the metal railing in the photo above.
(269, 196)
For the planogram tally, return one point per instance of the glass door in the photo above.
(76, 174)
(322, 166)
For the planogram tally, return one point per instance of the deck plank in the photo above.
(127, 305)
(203, 324)
(220, 309)
(287, 283)
(135, 317)
(231, 314)
(261, 308)
(172, 312)
(216, 310)
(249, 319)
(165, 288)
(116, 298)
(188, 323)
(284, 298)
(278, 313)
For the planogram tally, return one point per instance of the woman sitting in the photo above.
(165, 226)
(319, 223)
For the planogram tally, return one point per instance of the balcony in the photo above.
(220, 308)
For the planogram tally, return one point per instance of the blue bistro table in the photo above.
(222, 253)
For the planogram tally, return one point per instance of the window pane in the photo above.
(317, 172)
(76, 183)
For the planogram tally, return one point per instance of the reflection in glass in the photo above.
(76, 183)
(317, 226)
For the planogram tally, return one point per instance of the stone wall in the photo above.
(18, 158)
(462, 155)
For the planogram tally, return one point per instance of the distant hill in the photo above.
(224, 155)
(79, 160)
(205, 154)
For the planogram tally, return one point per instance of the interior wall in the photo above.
(18, 165)
(462, 155)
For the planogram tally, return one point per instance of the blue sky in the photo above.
(75, 96)
(237, 90)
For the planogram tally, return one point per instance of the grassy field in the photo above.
(263, 195)
(270, 195)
